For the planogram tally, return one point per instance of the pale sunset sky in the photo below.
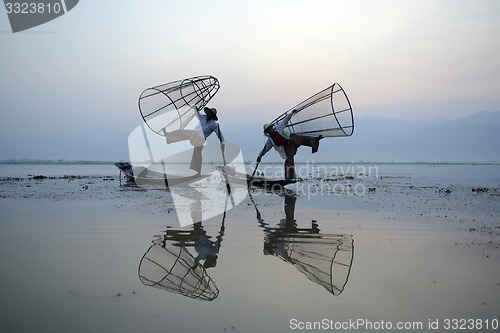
(403, 59)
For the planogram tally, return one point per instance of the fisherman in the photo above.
(286, 144)
(208, 125)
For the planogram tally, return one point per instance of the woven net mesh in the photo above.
(327, 113)
(171, 267)
(173, 105)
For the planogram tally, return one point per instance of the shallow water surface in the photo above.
(111, 258)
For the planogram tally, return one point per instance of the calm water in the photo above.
(56, 170)
(109, 258)
(478, 175)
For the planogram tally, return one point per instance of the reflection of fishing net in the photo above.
(324, 259)
(173, 268)
(173, 105)
(327, 113)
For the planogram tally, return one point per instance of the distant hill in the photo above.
(93, 144)
(475, 138)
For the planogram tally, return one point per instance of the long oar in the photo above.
(254, 170)
(225, 174)
(253, 174)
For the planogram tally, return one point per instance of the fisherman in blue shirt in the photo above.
(208, 124)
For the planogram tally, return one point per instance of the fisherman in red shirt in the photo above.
(286, 144)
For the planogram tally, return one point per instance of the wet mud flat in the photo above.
(474, 209)
(77, 252)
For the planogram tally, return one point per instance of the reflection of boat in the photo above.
(242, 178)
(145, 176)
(325, 259)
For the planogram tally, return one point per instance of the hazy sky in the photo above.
(406, 59)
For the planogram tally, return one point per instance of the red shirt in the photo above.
(278, 139)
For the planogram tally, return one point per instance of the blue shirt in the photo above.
(210, 126)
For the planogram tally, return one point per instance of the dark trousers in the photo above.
(293, 144)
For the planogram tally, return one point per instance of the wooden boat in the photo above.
(241, 178)
(144, 176)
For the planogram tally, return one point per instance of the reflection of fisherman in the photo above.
(325, 259)
(169, 263)
(285, 144)
(278, 239)
(207, 249)
(198, 136)
(272, 246)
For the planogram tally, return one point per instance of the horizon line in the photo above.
(29, 161)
